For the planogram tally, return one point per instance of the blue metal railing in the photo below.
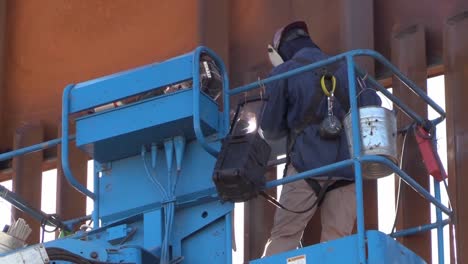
(355, 155)
(196, 97)
(64, 147)
(356, 159)
(33, 148)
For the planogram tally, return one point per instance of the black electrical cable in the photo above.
(59, 254)
(275, 202)
(64, 255)
(44, 223)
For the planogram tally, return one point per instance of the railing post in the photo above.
(355, 155)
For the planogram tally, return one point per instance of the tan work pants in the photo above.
(338, 214)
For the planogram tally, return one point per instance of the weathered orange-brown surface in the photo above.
(47, 44)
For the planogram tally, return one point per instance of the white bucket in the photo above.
(378, 137)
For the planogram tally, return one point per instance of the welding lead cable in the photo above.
(399, 182)
(170, 209)
(165, 242)
(157, 184)
(166, 208)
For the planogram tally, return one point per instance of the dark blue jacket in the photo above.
(289, 99)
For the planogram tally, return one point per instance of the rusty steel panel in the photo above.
(371, 210)
(27, 176)
(258, 221)
(357, 31)
(213, 29)
(409, 55)
(456, 83)
(79, 40)
(3, 27)
(253, 23)
(250, 35)
(71, 203)
(248, 39)
(319, 15)
(54, 43)
(401, 13)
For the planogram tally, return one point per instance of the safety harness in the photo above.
(310, 118)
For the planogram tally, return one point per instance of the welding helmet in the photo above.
(287, 33)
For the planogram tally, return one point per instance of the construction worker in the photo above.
(308, 109)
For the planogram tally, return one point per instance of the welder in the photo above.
(308, 109)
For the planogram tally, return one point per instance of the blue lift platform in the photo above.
(154, 199)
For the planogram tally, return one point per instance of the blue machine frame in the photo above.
(99, 133)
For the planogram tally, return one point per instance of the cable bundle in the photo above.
(168, 204)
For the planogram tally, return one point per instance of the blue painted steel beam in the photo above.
(65, 163)
(422, 228)
(72, 222)
(440, 228)
(361, 230)
(33, 148)
(410, 181)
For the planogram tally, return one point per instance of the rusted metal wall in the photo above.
(51, 43)
(253, 24)
(429, 13)
(2, 63)
(213, 26)
(409, 55)
(456, 83)
(27, 177)
(258, 216)
(50, 47)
